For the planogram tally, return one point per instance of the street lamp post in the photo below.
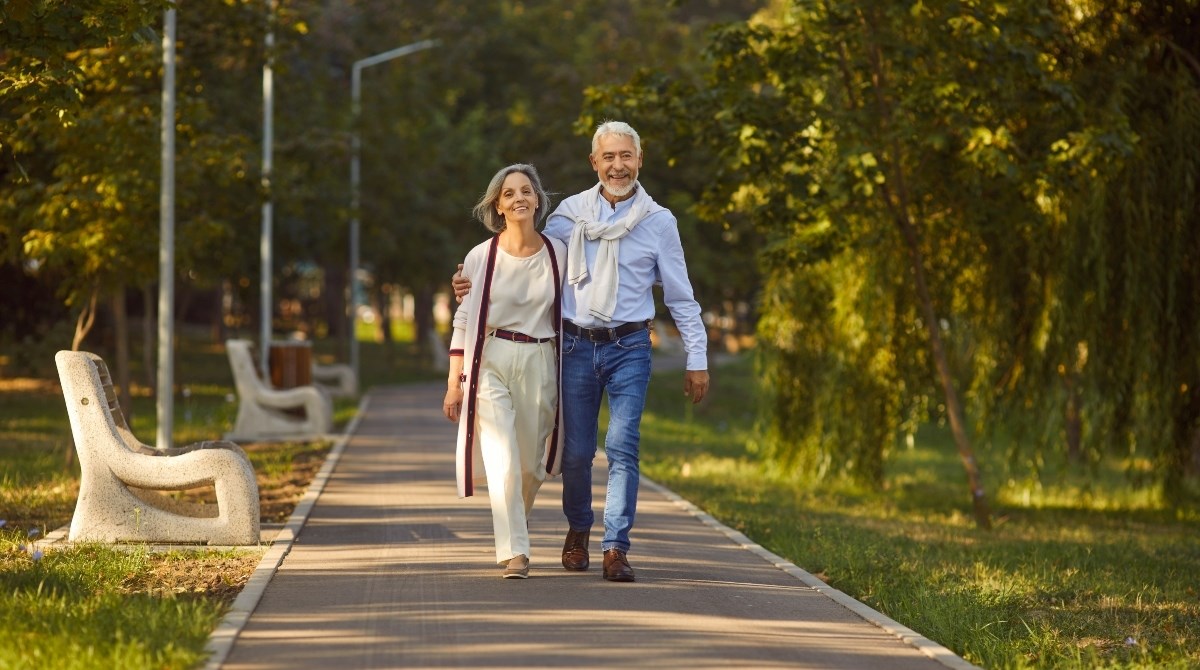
(165, 405)
(265, 243)
(355, 148)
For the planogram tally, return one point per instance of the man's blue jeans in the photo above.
(590, 369)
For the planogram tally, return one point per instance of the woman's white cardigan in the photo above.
(470, 329)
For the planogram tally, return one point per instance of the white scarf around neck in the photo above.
(584, 210)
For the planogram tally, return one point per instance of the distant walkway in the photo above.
(392, 570)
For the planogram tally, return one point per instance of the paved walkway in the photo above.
(391, 570)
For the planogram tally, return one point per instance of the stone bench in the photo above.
(267, 413)
(120, 497)
(338, 380)
(440, 349)
(667, 340)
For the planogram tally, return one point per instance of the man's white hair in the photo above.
(616, 128)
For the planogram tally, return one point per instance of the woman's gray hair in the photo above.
(616, 128)
(485, 209)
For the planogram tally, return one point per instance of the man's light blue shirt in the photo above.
(650, 253)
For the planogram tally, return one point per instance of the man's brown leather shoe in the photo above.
(616, 567)
(575, 550)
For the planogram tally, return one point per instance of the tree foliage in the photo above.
(79, 185)
(501, 88)
(42, 43)
(1118, 333)
(1028, 159)
(81, 195)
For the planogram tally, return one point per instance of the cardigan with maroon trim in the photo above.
(470, 329)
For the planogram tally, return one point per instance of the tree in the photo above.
(968, 200)
(49, 47)
(1118, 339)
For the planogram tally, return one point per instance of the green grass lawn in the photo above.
(83, 608)
(1086, 571)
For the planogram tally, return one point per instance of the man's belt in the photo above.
(605, 334)
(514, 336)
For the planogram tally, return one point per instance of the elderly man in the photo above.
(619, 244)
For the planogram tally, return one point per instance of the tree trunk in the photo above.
(220, 315)
(121, 325)
(897, 203)
(334, 306)
(423, 324)
(983, 515)
(86, 319)
(1073, 420)
(184, 299)
(1191, 455)
(385, 313)
(379, 304)
(149, 309)
(1185, 448)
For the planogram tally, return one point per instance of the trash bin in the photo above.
(290, 364)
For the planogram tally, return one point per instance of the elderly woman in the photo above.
(504, 382)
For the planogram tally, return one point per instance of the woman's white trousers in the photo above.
(515, 414)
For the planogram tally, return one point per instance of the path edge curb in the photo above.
(905, 634)
(220, 642)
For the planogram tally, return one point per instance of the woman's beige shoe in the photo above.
(517, 568)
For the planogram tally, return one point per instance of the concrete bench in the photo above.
(267, 413)
(667, 339)
(120, 497)
(338, 380)
(440, 347)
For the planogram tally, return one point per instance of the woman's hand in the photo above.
(452, 405)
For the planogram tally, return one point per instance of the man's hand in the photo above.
(695, 384)
(460, 284)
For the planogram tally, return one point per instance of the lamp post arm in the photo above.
(355, 150)
(395, 53)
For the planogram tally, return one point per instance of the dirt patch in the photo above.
(223, 577)
(219, 578)
(283, 472)
(279, 495)
(279, 491)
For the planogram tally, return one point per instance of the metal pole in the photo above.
(265, 310)
(355, 150)
(166, 245)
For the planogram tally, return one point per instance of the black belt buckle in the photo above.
(609, 334)
(600, 334)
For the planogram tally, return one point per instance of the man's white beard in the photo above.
(620, 192)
